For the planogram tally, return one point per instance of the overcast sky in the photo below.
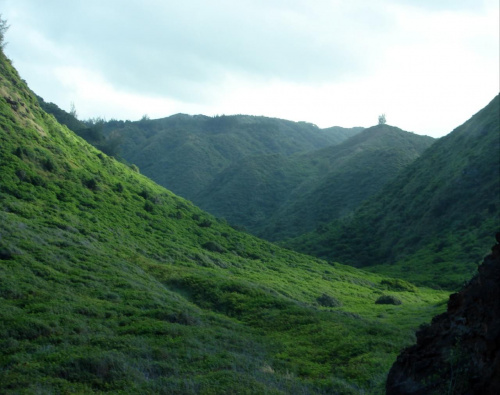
(429, 65)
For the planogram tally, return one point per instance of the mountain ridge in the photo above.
(436, 214)
(260, 173)
(349, 173)
(276, 196)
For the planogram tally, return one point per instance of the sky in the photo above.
(428, 65)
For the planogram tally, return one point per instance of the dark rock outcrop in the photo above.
(459, 353)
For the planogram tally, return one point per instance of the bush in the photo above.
(49, 164)
(398, 285)
(6, 254)
(213, 246)
(148, 206)
(144, 193)
(205, 223)
(328, 301)
(388, 299)
(90, 183)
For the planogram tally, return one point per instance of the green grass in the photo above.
(110, 283)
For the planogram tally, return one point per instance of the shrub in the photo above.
(90, 183)
(183, 318)
(49, 164)
(328, 301)
(205, 223)
(176, 215)
(145, 193)
(6, 254)
(213, 246)
(148, 206)
(388, 299)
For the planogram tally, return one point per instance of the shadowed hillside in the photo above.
(346, 175)
(276, 197)
(432, 223)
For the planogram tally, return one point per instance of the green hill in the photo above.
(184, 153)
(110, 283)
(433, 223)
(345, 175)
(277, 196)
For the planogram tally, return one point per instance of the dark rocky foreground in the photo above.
(459, 353)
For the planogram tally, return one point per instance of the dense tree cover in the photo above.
(434, 222)
(111, 283)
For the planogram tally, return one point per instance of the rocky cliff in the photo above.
(459, 353)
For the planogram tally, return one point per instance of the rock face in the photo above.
(459, 353)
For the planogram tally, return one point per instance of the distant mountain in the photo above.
(110, 283)
(185, 153)
(275, 178)
(433, 223)
(276, 197)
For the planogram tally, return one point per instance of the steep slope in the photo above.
(184, 153)
(431, 224)
(248, 192)
(459, 352)
(275, 197)
(110, 283)
(91, 130)
(346, 175)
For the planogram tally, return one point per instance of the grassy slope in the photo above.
(434, 222)
(110, 283)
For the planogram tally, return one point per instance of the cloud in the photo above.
(154, 46)
(328, 62)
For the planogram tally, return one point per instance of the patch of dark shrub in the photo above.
(388, 299)
(90, 183)
(205, 223)
(213, 246)
(148, 206)
(328, 301)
